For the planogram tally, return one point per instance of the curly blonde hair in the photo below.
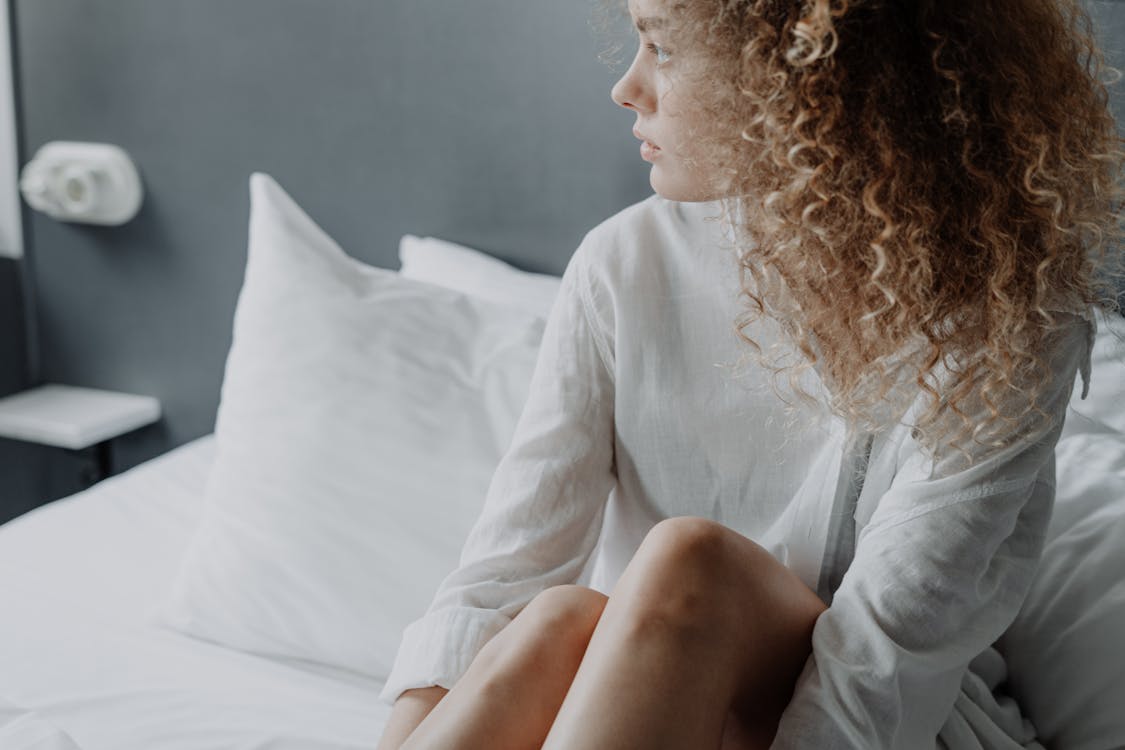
(918, 185)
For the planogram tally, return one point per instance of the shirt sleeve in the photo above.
(940, 571)
(544, 509)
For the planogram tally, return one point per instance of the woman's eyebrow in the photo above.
(650, 22)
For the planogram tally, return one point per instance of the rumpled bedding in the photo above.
(21, 729)
(85, 669)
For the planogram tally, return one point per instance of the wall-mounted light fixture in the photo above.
(90, 183)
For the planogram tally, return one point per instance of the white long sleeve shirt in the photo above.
(642, 407)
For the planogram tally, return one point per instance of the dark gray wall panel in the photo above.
(23, 478)
(13, 345)
(488, 123)
(22, 466)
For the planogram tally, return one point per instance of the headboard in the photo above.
(488, 123)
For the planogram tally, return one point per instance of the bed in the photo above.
(247, 589)
(83, 657)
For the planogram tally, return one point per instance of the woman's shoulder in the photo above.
(640, 216)
(650, 234)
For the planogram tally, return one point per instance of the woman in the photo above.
(812, 528)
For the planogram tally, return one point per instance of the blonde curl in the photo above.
(915, 186)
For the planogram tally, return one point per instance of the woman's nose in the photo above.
(629, 92)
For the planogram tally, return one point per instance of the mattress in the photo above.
(81, 666)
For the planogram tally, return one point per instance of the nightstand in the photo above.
(76, 419)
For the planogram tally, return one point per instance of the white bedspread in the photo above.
(21, 729)
(81, 665)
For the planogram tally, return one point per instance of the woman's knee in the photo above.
(695, 552)
(686, 540)
(694, 573)
(677, 576)
(565, 609)
(555, 625)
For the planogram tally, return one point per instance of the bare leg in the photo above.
(701, 621)
(699, 646)
(409, 710)
(511, 692)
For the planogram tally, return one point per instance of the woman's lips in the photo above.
(649, 150)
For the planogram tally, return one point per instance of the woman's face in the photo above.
(668, 122)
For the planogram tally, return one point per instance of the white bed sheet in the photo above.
(80, 665)
(77, 580)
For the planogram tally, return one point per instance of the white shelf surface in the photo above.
(70, 417)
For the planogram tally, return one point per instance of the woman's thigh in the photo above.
(705, 585)
(699, 646)
(512, 690)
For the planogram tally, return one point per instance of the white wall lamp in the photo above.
(90, 183)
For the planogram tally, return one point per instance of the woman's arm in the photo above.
(940, 572)
(409, 710)
(544, 508)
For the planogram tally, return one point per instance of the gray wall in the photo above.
(487, 123)
(1109, 22)
(13, 347)
(23, 469)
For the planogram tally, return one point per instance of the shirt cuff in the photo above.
(438, 648)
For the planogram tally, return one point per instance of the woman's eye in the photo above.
(662, 55)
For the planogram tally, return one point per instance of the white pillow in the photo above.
(473, 272)
(1064, 651)
(362, 416)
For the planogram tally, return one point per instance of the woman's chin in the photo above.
(681, 190)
